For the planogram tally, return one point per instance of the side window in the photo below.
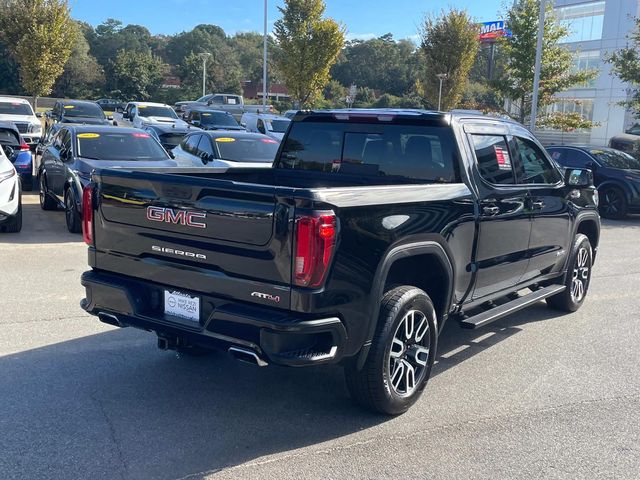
(577, 158)
(191, 145)
(217, 99)
(533, 166)
(494, 160)
(204, 147)
(260, 126)
(66, 141)
(57, 140)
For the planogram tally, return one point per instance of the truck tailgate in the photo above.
(195, 233)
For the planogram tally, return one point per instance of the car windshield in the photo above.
(83, 110)
(15, 108)
(150, 111)
(219, 119)
(278, 126)
(244, 149)
(616, 159)
(129, 146)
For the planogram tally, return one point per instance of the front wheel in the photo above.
(401, 356)
(613, 204)
(578, 277)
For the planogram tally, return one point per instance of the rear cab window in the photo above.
(392, 152)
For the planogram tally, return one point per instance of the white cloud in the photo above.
(360, 36)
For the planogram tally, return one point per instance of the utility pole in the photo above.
(536, 75)
(264, 62)
(204, 72)
(441, 77)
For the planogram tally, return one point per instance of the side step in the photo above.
(482, 319)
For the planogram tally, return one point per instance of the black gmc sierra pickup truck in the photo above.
(371, 230)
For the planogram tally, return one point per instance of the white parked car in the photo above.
(227, 149)
(273, 126)
(10, 201)
(19, 112)
(144, 114)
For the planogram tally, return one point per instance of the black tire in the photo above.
(578, 277)
(374, 386)
(14, 225)
(71, 215)
(46, 202)
(613, 203)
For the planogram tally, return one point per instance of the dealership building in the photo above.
(597, 28)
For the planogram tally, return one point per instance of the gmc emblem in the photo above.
(177, 217)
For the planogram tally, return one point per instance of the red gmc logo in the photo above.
(177, 217)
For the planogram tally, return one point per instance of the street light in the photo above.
(204, 72)
(442, 77)
(264, 61)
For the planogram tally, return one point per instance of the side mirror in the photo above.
(195, 123)
(125, 115)
(578, 177)
(109, 117)
(65, 155)
(39, 114)
(119, 109)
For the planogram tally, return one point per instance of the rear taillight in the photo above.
(315, 243)
(87, 215)
(23, 146)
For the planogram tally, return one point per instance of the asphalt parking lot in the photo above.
(536, 395)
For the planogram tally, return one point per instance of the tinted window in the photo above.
(569, 157)
(218, 119)
(83, 110)
(15, 108)
(247, 149)
(162, 112)
(204, 147)
(534, 166)
(494, 160)
(191, 144)
(171, 140)
(278, 126)
(616, 159)
(218, 99)
(8, 137)
(401, 153)
(119, 146)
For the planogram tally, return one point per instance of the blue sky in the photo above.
(363, 18)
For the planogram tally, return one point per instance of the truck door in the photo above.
(547, 203)
(504, 224)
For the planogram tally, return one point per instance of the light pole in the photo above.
(442, 77)
(204, 72)
(536, 75)
(264, 61)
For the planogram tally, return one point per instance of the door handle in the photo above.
(493, 210)
(537, 204)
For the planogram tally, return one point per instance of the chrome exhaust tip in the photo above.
(247, 356)
(110, 319)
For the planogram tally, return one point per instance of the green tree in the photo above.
(137, 75)
(9, 73)
(449, 45)
(223, 74)
(40, 35)
(247, 49)
(83, 76)
(557, 71)
(380, 63)
(310, 45)
(626, 66)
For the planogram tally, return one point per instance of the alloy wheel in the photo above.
(68, 209)
(409, 353)
(580, 275)
(611, 202)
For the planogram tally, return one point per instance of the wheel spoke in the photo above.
(409, 376)
(409, 321)
(420, 355)
(422, 329)
(397, 374)
(397, 348)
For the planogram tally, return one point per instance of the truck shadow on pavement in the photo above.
(110, 405)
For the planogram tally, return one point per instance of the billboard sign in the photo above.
(491, 31)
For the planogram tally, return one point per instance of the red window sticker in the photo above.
(502, 156)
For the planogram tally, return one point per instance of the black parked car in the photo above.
(109, 104)
(209, 119)
(78, 150)
(616, 174)
(75, 111)
(169, 135)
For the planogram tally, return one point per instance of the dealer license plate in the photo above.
(182, 305)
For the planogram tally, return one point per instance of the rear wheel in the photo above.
(578, 277)
(46, 202)
(613, 203)
(14, 225)
(71, 214)
(401, 356)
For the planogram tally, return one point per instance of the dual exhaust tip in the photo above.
(247, 356)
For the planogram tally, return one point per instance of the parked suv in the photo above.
(75, 111)
(19, 112)
(373, 229)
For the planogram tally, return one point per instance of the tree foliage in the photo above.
(40, 35)
(223, 74)
(626, 66)
(557, 71)
(449, 45)
(310, 45)
(137, 75)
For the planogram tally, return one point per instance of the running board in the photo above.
(508, 308)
